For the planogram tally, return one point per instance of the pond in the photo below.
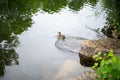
(33, 49)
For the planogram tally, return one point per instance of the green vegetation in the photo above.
(112, 8)
(107, 66)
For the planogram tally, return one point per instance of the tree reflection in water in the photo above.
(8, 55)
(15, 17)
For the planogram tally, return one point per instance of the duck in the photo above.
(60, 36)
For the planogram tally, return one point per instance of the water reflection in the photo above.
(8, 55)
(52, 6)
(112, 8)
(15, 18)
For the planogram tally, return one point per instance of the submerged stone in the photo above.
(71, 70)
(69, 44)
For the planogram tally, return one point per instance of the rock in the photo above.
(91, 47)
(86, 61)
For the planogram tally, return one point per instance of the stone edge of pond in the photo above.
(92, 47)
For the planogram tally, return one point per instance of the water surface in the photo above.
(39, 59)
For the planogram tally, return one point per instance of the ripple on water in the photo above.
(70, 44)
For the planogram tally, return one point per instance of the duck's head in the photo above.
(59, 33)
